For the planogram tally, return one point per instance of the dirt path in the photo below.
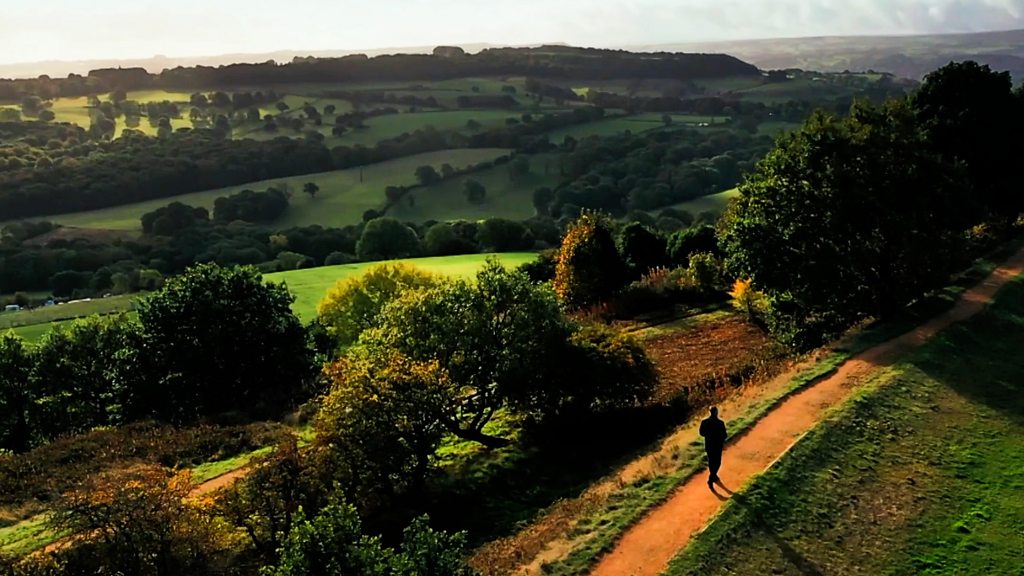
(647, 548)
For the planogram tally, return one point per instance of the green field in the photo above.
(777, 128)
(310, 286)
(635, 124)
(715, 203)
(505, 198)
(919, 474)
(76, 110)
(341, 201)
(48, 314)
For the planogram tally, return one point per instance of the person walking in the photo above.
(713, 431)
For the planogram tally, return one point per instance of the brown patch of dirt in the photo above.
(707, 355)
(222, 481)
(70, 233)
(647, 548)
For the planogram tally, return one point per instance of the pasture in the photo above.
(615, 126)
(918, 474)
(505, 198)
(342, 199)
(309, 286)
(715, 203)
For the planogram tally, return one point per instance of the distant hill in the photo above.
(157, 64)
(905, 56)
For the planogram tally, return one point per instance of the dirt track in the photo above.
(647, 548)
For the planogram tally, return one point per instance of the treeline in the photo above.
(545, 62)
(74, 174)
(647, 171)
(86, 175)
(856, 216)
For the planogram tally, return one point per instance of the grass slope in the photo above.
(920, 474)
(505, 198)
(341, 201)
(714, 203)
(309, 286)
(635, 124)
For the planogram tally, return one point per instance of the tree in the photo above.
(266, 501)
(427, 175)
(497, 338)
(441, 240)
(221, 339)
(866, 251)
(15, 394)
(282, 106)
(519, 168)
(387, 239)
(967, 111)
(141, 521)
(542, 199)
(331, 543)
(641, 249)
(310, 188)
(355, 304)
(447, 171)
(666, 120)
(86, 375)
(589, 268)
(47, 115)
(474, 191)
(501, 235)
(383, 421)
(690, 241)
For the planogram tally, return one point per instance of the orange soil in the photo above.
(647, 548)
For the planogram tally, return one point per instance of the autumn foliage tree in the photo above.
(354, 304)
(589, 268)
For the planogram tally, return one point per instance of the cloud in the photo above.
(71, 29)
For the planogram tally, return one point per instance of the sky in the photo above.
(121, 29)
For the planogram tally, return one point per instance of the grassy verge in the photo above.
(918, 474)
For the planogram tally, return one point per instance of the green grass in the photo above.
(714, 203)
(48, 314)
(634, 124)
(777, 128)
(211, 470)
(505, 198)
(599, 530)
(27, 536)
(919, 474)
(309, 286)
(341, 201)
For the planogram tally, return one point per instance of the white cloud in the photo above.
(71, 29)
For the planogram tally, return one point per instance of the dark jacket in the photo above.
(713, 431)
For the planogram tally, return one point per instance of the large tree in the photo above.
(497, 338)
(846, 218)
(969, 115)
(589, 268)
(387, 239)
(15, 394)
(221, 339)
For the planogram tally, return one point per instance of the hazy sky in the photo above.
(95, 29)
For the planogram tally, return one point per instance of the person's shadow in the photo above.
(804, 565)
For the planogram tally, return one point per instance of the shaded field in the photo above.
(309, 286)
(635, 124)
(919, 474)
(47, 314)
(341, 201)
(714, 203)
(505, 198)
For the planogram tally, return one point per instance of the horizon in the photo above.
(59, 31)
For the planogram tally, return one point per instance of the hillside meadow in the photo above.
(341, 201)
(309, 287)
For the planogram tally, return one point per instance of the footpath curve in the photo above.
(647, 548)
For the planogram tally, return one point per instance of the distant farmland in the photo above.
(341, 201)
